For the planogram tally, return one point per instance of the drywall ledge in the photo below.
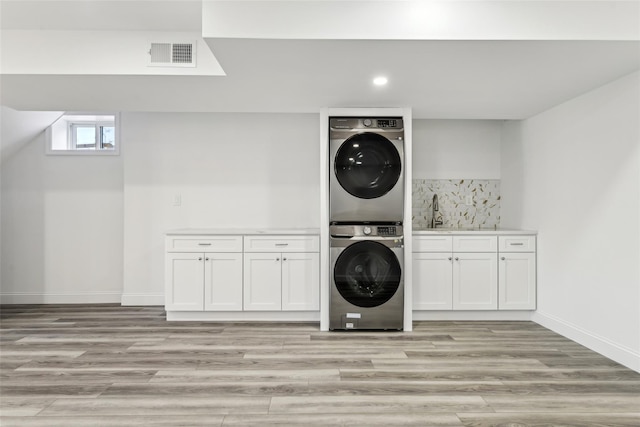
(421, 20)
(32, 52)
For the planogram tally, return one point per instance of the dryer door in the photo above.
(367, 165)
(367, 274)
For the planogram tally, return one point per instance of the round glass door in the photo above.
(367, 274)
(367, 165)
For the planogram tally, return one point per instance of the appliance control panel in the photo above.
(360, 230)
(353, 123)
(387, 123)
(387, 230)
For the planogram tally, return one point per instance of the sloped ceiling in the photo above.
(278, 62)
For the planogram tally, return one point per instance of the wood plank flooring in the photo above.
(107, 365)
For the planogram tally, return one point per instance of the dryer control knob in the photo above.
(367, 122)
(366, 230)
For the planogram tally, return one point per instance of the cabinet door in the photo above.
(517, 281)
(475, 281)
(432, 281)
(262, 281)
(184, 282)
(223, 281)
(300, 281)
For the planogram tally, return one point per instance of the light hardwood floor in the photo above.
(106, 365)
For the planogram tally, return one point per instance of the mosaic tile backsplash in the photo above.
(454, 196)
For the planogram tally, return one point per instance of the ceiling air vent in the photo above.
(172, 55)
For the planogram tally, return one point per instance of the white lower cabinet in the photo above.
(517, 273)
(223, 281)
(468, 273)
(262, 281)
(204, 281)
(475, 277)
(281, 281)
(184, 287)
(281, 273)
(197, 281)
(432, 279)
(242, 273)
(301, 281)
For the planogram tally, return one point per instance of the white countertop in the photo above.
(243, 231)
(501, 231)
(316, 231)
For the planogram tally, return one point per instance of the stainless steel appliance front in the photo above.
(367, 284)
(367, 178)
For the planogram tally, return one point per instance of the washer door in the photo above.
(367, 274)
(367, 165)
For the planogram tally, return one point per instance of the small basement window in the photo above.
(84, 134)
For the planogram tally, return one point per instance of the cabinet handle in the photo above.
(457, 259)
(502, 258)
(206, 259)
(282, 244)
(204, 244)
(284, 259)
(277, 259)
(516, 244)
(200, 259)
(450, 258)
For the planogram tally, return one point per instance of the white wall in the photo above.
(573, 174)
(251, 170)
(451, 149)
(230, 170)
(96, 223)
(61, 219)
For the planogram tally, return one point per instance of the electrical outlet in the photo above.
(469, 200)
(177, 200)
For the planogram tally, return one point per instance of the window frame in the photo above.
(73, 120)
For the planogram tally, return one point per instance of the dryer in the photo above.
(367, 285)
(367, 178)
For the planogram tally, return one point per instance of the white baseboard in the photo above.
(142, 299)
(471, 315)
(621, 354)
(60, 298)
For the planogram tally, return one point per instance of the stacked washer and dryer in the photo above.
(366, 210)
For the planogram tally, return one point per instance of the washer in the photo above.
(367, 284)
(367, 178)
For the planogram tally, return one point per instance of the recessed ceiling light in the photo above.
(380, 81)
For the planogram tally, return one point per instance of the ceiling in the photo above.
(437, 78)
(116, 15)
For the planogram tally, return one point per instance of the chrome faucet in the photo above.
(435, 208)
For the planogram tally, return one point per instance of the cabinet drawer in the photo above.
(281, 243)
(188, 243)
(517, 243)
(475, 244)
(432, 243)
